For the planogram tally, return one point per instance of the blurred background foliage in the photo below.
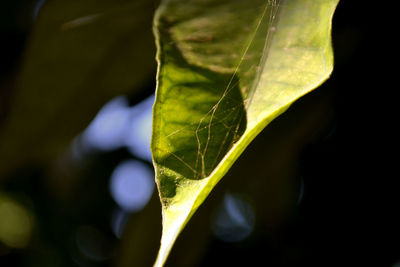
(76, 180)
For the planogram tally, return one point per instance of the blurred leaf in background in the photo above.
(73, 59)
(79, 55)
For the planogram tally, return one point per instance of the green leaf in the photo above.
(227, 68)
(80, 55)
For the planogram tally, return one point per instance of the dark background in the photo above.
(334, 143)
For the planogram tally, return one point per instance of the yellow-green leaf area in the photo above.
(226, 69)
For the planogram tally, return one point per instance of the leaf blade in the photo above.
(296, 60)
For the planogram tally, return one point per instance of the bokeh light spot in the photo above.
(106, 132)
(138, 136)
(234, 220)
(15, 223)
(117, 125)
(119, 219)
(38, 6)
(132, 185)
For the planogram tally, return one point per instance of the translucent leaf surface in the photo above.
(226, 69)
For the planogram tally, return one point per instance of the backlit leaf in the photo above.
(227, 68)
